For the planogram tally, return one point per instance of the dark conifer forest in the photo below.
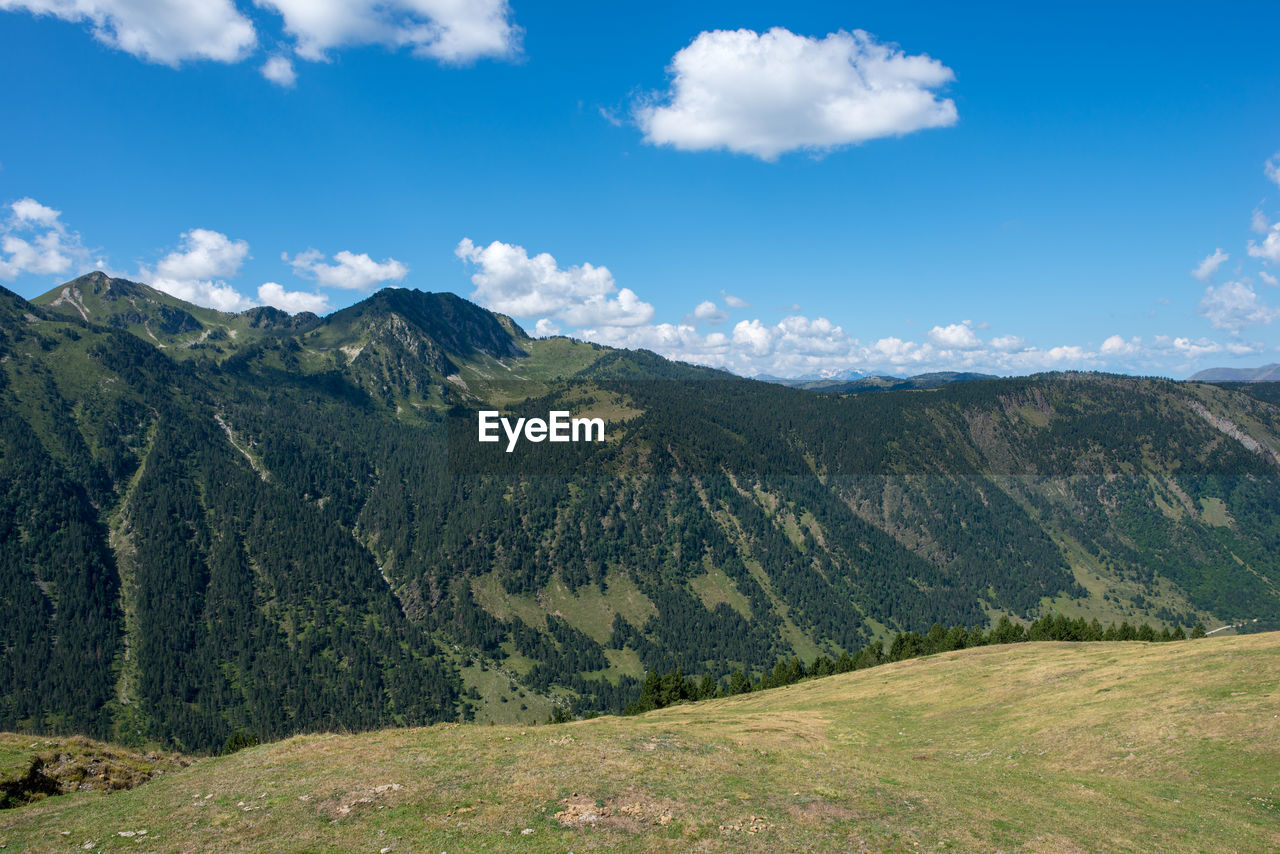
(224, 527)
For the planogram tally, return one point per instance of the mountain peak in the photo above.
(457, 325)
(445, 322)
(270, 317)
(152, 315)
(102, 285)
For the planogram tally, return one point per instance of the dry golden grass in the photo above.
(1035, 747)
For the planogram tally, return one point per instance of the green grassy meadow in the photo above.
(1046, 747)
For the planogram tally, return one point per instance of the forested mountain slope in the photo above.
(269, 524)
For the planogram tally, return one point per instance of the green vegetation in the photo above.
(667, 689)
(180, 329)
(33, 770)
(1103, 747)
(294, 530)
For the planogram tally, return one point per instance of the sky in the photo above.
(793, 189)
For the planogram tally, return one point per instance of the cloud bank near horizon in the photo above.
(577, 300)
(584, 300)
(35, 242)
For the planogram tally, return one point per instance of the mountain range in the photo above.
(217, 524)
(1264, 374)
(878, 382)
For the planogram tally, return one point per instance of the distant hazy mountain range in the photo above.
(221, 523)
(831, 375)
(1266, 373)
(846, 384)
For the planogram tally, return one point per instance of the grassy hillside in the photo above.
(1036, 747)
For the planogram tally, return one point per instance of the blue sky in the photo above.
(768, 187)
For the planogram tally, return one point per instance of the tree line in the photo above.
(659, 690)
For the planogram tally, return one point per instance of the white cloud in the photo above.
(710, 312)
(206, 254)
(446, 30)
(43, 255)
(279, 70)
(163, 31)
(351, 271)
(272, 293)
(1072, 353)
(196, 270)
(793, 345)
(29, 210)
(1259, 223)
(1193, 349)
(509, 281)
(1206, 268)
(210, 294)
(896, 351)
(768, 93)
(1116, 345)
(754, 337)
(1272, 168)
(544, 328)
(626, 309)
(799, 334)
(171, 32)
(676, 341)
(1234, 306)
(798, 345)
(958, 336)
(33, 239)
(1269, 249)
